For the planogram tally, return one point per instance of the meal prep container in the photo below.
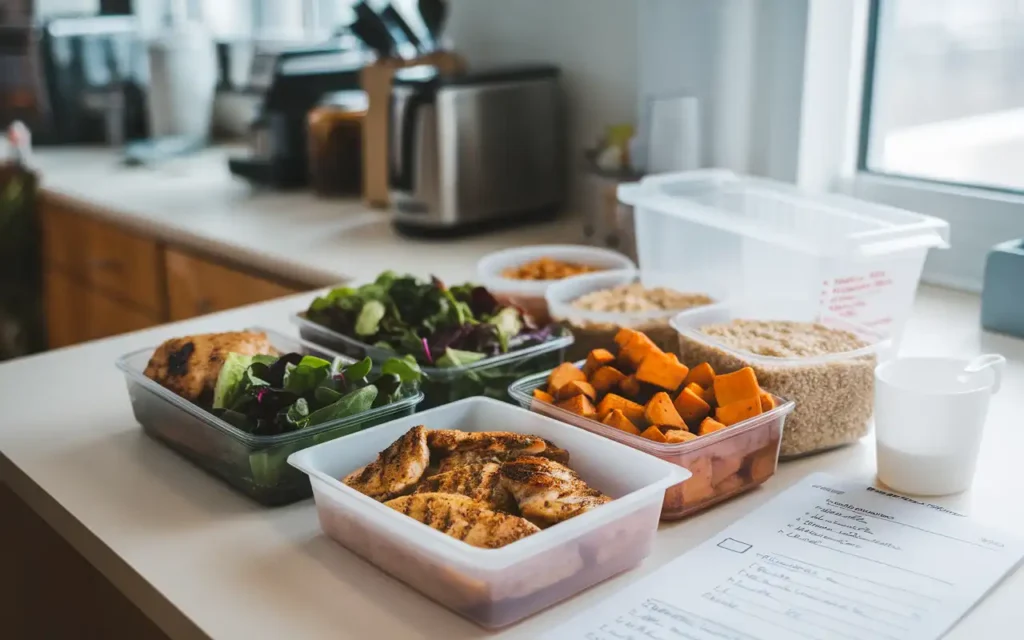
(722, 464)
(496, 587)
(529, 294)
(833, 392)
(596, 329)
(488, 377)
(255, 465)
(861, 260)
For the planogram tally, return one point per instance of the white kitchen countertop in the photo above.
(204, 561)
(195, 202)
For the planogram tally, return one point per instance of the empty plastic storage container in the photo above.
(747, 236)
(723, 464)
(255, 465)
(496, 587)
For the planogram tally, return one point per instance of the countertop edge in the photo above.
(224, 251)
(161, 611)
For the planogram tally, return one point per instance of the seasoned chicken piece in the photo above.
(189, 366)
(554, 452)
(396, 470)
(461, 448)
(548, 492)
(464, 519)
(480, 482)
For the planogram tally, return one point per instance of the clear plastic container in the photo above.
(488, 377)
(596, 329)
(833, 392)
(255, 465)
(722, 464)
(496, 587)
(529, 294)
(750, 236)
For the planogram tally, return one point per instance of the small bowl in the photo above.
(529, 294)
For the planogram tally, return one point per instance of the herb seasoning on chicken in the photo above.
(486, 488)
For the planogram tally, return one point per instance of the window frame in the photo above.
(980, 217)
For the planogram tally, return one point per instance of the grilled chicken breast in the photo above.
(396, 470)
(461, 448)
(464, 519)
(189, 366)
(548, 492)
(481, 482)
(554, 452)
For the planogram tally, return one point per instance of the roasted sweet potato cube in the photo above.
(580, 405)
(606, 378)
(709, 396)
(624, 335)
(735, 412)
(695, 388)
(630, 387)
(543, 396)
(730, 485)
(724, 467)
(691, 407)
(763, 462)
(563, 375)
(617, 419)
(634, 351)
(659, 411)
(767, 401)
(632, 410)
(698, 487)
(679, 435)
(709, 425)
(654, 433)
(575, 388)
(736, 386)
(702, 374)
(596, 359)
(662, 370)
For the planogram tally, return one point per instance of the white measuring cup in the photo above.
(929, 418)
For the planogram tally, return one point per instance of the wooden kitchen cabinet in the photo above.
(103, 257)
(102, 280)
(75, 313)
(196, 286)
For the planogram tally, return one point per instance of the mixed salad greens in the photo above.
(439, 326)
(269, 395)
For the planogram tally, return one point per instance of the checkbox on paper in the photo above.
(734, 545)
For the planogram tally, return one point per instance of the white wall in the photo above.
(593, 41)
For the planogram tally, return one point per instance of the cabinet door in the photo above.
(196, 287)
(121, 264)
(75, 313)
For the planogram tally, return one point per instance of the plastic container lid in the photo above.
(782, 214)
(490, 266)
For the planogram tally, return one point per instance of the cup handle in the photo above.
(992, 361)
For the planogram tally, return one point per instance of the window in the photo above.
(944, 92)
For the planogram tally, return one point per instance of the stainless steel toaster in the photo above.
(476, 150)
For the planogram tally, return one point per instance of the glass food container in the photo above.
(488, 377)
(255, 465)
(723, 464)
(834, 392)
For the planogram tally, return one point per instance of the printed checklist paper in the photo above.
(826, 559)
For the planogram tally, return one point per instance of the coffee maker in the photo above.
(292, 83)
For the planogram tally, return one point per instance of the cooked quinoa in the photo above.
(834, 399)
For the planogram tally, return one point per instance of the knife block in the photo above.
(376, 80)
